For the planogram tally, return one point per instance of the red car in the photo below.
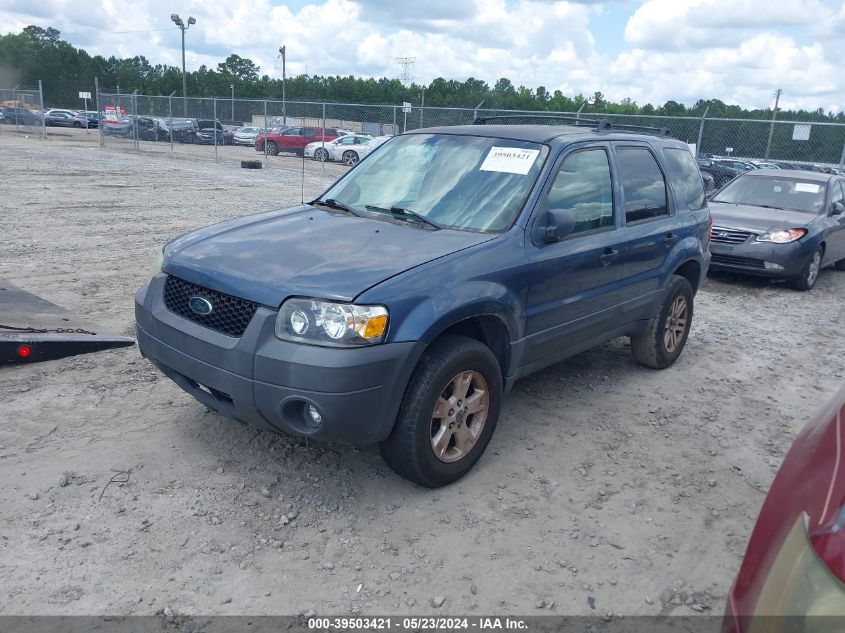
(795, 561)
(294, 139)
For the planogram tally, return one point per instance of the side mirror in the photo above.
(837, 208)
(558, 224)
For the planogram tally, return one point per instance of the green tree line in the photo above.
(41, 54)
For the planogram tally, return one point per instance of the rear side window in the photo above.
(642, 183)
(583, 186)
(683, 168)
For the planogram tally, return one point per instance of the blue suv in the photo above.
(399, 306)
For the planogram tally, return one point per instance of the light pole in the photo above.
(777, 95)
(284, 102)
(183, 27)
(232, 86)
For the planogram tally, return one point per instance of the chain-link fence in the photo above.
(274, 131)
(22, 111)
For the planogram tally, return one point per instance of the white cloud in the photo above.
(672, 49)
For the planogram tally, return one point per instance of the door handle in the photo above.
(608, 256)
(670, 239)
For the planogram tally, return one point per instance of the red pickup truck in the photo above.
(294, 139)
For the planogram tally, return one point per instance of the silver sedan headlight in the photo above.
(333, 324)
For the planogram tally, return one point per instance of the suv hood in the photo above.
(306, 251)
(757, 219)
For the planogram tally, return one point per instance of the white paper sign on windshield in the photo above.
(510, 160)
(807, 187)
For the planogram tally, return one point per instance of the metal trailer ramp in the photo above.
(33, 329)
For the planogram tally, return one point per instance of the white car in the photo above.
(247, 135)
(346, 149)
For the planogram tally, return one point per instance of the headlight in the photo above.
(333, 324)
(158, 262)
(782, 236)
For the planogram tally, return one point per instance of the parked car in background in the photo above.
(794, 564)
(721, 173)
(708, 180)
(247, 135)
(86, 120)
(399, 306)
(779, 225)
(333, 150)
(212, 136)
(123, 127)
(293, 139)
(741, 165)
(153, 129)
(183, 130)
(21, 116)
(60, 119)
(764, 165)
(52, 111)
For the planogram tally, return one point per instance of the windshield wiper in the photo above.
(405, 214)
(331, 203)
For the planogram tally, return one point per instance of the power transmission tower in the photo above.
(407, 66)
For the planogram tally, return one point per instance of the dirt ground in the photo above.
(608, 487)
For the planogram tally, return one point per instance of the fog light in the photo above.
(772, 266)
(314, 415)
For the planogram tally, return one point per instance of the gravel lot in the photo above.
(606, 484)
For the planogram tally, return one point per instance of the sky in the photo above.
(739, 51)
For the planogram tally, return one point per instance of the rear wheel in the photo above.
(667, 332)
(448, 414)
(809, 274)
(350, 158)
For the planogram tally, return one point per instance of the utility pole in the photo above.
(701, 129)
(778, 92)
(183, 27)
(407, 65)
(282, 50)
(232, 86)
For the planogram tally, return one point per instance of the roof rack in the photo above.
(599, 125)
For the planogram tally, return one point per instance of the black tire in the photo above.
(810, 273)
(651, 348)
(350, 158)
(272, 148)
(408, 450)
(77, 124)
(321, 155)
(251, 164)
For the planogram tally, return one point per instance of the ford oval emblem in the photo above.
(200, 306)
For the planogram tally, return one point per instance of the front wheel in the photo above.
(321, 155)
(667, 332)
(448, 414)
(272, 148)
(809, 274)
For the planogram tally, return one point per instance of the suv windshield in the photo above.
(465, 182)
(775, 192)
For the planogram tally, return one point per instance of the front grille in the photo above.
(730, 260)
(229, 315)
(721, 235)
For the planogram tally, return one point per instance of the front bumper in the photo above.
(264, 381)
(751, 256)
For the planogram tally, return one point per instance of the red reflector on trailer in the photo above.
(24, 351)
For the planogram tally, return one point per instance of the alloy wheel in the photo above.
(459, 416)
(676, 324)
(814, 268)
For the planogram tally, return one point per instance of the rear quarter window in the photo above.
(686, 177)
